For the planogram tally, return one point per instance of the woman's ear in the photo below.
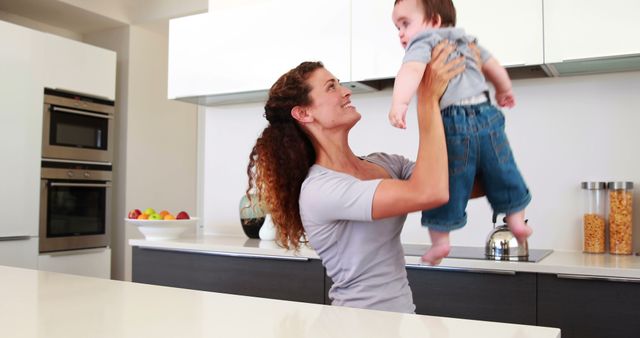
(301, 114)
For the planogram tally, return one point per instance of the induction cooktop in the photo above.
(472, 252)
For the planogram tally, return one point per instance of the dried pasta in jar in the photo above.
(593, 220)
(620, 218)
(594, 233)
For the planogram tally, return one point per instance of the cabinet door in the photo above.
(79, 67)
(375, 48)
(266, 276)
(20, 131)
(20, 253)
(589, 308)
(587, 29)
(494, 296)
(327, 286)
(511, 30)
(89, 262)
(245, 46)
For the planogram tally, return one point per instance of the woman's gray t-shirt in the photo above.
(363, 257)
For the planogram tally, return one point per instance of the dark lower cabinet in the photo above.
(589, 308)
(474, 294)
(260, 276)
(327, 285)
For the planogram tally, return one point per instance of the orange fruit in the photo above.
(163, 213)
(169, 217)
(143, 216)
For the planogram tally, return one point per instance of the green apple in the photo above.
(149, 211)
(155, 217)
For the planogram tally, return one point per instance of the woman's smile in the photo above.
(348, 105)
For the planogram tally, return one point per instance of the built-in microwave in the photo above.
(77, 127)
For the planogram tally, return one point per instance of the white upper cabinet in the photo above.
(375, 47)
(511, 30)
(190, 55)
(79, 67)
(590, 29)
(243, 46)
(20, 131)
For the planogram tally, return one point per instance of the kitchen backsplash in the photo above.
(562, 131)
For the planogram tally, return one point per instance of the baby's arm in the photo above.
(497, 75)
(404, 88)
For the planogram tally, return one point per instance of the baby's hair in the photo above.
(433, 8)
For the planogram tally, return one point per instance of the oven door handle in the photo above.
(83, 185)
(80, 112)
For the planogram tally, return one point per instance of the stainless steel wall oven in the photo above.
(76, 171)
(75, 205)
(77, 127)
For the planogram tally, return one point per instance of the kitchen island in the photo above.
(53, 305)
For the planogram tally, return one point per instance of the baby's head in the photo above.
(414, 16)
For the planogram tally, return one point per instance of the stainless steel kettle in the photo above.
(501, 244)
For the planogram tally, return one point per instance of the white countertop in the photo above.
(558, 262)
(53, 305)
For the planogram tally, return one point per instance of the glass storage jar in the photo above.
(620, 222)
(593, 220)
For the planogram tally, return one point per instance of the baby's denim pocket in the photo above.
(500, 145)
(458, 153)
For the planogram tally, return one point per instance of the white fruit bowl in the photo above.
(163, 230)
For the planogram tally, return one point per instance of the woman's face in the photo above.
(330, 101)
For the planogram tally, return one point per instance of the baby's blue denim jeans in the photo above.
(477, 145)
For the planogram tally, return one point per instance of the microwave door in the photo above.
(78, 129)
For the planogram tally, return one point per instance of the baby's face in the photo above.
(408, 16)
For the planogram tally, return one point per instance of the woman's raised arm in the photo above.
(428, 186)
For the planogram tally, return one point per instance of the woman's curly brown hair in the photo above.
(283, 154)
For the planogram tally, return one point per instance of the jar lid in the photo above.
(594, 185)
(620, 185)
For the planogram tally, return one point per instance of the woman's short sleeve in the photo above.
(328, 196)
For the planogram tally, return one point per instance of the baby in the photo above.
(476, 142)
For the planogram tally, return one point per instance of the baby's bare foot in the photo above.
(520, 230)
(518, 226)
(436, 253)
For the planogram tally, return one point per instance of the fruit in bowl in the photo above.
(161, 226)
(183, 215)
(155, 217)
(134, 214)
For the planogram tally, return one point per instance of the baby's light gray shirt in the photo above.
(363, 257)
(469, 83)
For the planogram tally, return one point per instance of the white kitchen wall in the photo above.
(562, 131)
(161, 134)
(156, 139)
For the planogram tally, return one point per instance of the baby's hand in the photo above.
(506, 99)
(397, 115)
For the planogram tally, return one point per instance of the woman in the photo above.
(351, 208)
